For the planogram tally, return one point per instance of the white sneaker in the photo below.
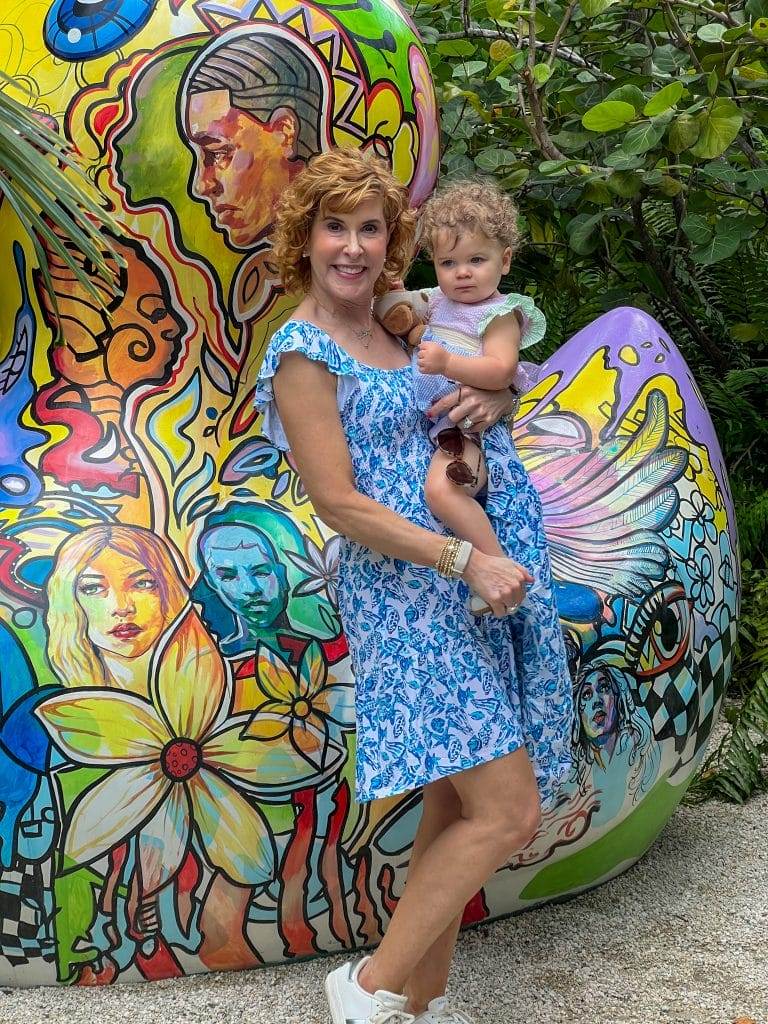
(351, 1004)
(439, 1012)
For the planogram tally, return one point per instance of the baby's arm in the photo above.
(492, 371)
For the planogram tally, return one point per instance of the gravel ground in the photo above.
(681, 937)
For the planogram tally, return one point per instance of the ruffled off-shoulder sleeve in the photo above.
(315, 344)
(534, 325)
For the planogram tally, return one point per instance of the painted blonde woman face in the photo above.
(121, 602)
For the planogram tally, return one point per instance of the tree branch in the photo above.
(564, 52)
(682, 39)
(561, 31)
(677, 300)
(702, 8)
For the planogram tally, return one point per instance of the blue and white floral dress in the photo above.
(437, 690)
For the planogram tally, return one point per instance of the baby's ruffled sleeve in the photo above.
(311, 342)
(534, 325)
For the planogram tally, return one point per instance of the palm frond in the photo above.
(737, 768)
(46, 187)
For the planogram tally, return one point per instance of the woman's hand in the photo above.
(501, 582)
(484, 408)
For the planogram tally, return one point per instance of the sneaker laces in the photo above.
(390, 1015)
(443, 1013)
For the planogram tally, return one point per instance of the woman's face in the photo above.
(597, 707)
(121, 601)
(347, 252)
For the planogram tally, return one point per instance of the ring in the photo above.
(511, 607)
(466, 423)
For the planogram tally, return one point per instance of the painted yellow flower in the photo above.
(179, 764)
(308, 705)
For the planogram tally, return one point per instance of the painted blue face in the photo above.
(598, 707)
(244, 573)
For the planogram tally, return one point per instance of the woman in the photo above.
(440, 701)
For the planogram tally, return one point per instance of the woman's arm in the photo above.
(305, 393)
(492, 371)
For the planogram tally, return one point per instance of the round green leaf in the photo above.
(696, 228)
(643, 136)
(492, 159)
(712, 33)
(625, 183)
(683, 133)
(720, 247)
(608, 115)
(591, 8)
(628, 94)
(582, 232)
(745, 332)
(718, 128)
(760, 29)
(542, 73)
(669, 186)
(456, 48)
(664, 99)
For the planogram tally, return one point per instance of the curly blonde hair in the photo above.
(468, 206)
(338, 181)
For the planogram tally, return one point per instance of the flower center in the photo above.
(180, 759)
(302, 708)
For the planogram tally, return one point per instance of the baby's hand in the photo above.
(431, 357)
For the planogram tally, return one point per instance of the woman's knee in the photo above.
(510, 829)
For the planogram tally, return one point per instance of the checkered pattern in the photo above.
(26, 928)
(714, 673)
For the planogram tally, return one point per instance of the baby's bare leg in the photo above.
(456, 506)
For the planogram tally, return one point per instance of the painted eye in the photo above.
(80, 31)
(661, 632)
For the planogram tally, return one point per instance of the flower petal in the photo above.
(234, 833)
(313, 670)
(191, 680)
(275, 676)
(107, 813)
(267, 725)
(273, 768)
(163, 841)
(104, 727)
(339, 699)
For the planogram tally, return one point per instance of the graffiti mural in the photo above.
(176, 704)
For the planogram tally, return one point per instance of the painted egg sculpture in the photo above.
(176, 705)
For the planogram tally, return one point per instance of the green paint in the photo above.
(628, 841)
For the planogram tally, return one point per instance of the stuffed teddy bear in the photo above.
(403, 313)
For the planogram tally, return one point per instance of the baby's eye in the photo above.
(478, 259)
(446, 263)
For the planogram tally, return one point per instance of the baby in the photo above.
(472, 337)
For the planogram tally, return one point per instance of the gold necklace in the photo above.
(361, 333)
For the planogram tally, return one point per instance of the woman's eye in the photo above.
(333, 225)
(90, 589)
(145, 585)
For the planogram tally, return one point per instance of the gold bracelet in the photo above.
(446, 562)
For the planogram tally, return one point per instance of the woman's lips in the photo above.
(126, 631)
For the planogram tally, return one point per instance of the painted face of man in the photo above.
(243, 571)
(242, 164)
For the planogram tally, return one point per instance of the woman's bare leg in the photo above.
(500, 811)
(440, 808)
(456, 506)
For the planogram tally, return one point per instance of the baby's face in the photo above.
(469, 267)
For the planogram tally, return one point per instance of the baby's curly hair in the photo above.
(338, 181)
(466, 206)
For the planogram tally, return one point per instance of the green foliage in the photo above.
(639, 160)
(50, 204)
